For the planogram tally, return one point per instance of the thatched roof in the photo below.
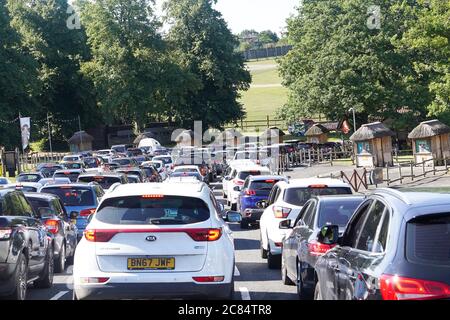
(372, 131)
(316, 130)
(142, 136)
(80, 136)
(429, 129)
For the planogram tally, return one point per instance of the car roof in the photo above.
(312, 181)
(267, 177)
(69, 185)
(251, 168)
(46, 196)
(101, 174)
(25, 184)
(331, 198)
(32, 173)
(69, 170)
(187, 166)
(412, 198)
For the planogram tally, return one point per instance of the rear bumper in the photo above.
(117, 291)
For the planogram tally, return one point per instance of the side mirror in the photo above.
(233, 216)
(262, 204)
(328, 235)
(285, 224)
(237, 188)
(221, 207)
(73, 215)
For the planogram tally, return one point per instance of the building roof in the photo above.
(316, 130)
(372, 131)
(429, 129)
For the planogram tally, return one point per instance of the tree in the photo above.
(428, 40)
(268, 37)
(342, 59)
(206, 48)
(18, 79)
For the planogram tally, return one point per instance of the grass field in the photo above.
(266, 94)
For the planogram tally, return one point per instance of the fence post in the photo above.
(434, 168)
(412, 171)
(388, 180)
(400, 172)
(309, 156)
(423, 169)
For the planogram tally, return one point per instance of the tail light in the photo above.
(52, 226)
(93, 280)
(87, 212)
(238, 182)
(318, 249)
(97, 235)
(209, 279)
(250, 192)
(281, 212)
(400, 288)
(5, 233)
(258, 162)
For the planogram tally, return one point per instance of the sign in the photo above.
(25, 128)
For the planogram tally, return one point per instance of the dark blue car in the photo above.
(82, 198)
(255, 189)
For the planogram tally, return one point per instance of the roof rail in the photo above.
(395, 193)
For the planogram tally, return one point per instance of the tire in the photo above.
(69, 260)
(301, 291)
(21, 278)
(317, 292)
(284, 277)
(60, 263)
(263, 251)
(273, 261)
(46, 280)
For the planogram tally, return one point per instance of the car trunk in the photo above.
(167, 242)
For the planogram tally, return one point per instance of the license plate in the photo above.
(151, 263)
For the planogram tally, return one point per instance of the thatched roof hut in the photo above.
(428, 129)
(372, 131)
(80, 141)
(317, 134)
(431, 141)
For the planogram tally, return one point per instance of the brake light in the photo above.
(209, 279)
(400, 288)
(205, 234)
(5, 233)
(52, 226)
(93, 280)
(153, 196)
(99, 235)
(318, 186)
(238, 182)
(319, 249)
(87, 212)
(270, 181)
(250, 192)
(281, 212)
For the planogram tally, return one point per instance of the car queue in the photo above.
(173, 239)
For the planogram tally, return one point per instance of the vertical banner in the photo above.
(25, 128)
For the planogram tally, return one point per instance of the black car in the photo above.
(301, 249)
(26, 247)
(52, 214)
(49, 169)
(104, 179)
(396, 246)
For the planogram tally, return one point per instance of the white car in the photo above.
(156, 240)
(159, 165)
(237, 178)
(24, 186)
(188, 168)
(72, 158)
(167, 160)
(285, 202)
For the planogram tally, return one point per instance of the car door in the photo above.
(359, 263)
(70, 231)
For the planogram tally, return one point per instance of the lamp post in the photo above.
(354, 118)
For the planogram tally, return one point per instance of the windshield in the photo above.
(165, 160)
(29, 178)
(73, 176)
(337, 212)
(122, 162)
(181, 170)
(161, 210)
(74, 166)
(263, 185)
(71, 159)
(104, 182)
(73, 196)
(299, 196)
(244, 174)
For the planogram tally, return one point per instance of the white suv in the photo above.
(156, 241)
(285, 202)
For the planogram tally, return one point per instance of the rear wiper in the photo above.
(167, 221)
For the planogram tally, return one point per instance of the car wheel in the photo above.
(273, 261)
(60, 263)
(46, 280)
(301, 291)
(263, 251)
(317, 292)
(21, 279)
(284, 277)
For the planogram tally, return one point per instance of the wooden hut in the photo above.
(317, 134)
(373, 145)
(430, 140)
(80, 141)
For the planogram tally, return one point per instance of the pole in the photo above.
(81, 135)
(49, 135)
(354, 120)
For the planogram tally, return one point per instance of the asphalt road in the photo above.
(253, 279)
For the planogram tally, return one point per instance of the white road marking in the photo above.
(59, 295)
(236, 271)
(244, 293)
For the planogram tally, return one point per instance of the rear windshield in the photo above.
(166, 210)
(181, 170)
(428, 240)
(29, 178)
(244, 174)
(73, 196)
(299, 196)
(337, 212)
(165, 160)
(23, 188)
(105, 182)
(72, 176)
(73, 166)
(263, 185)
(38, 203)
(71, 159)
(122, 162)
